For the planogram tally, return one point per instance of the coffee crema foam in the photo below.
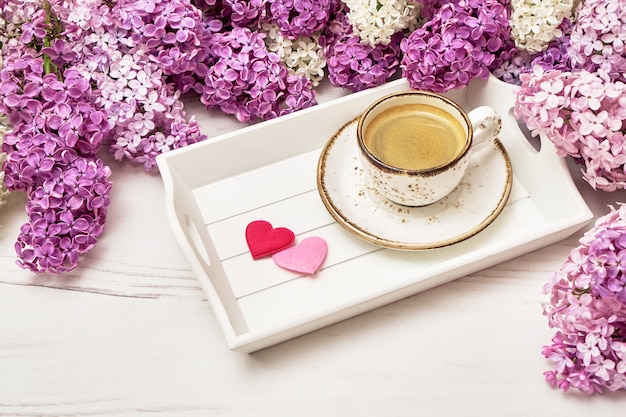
(415, 137)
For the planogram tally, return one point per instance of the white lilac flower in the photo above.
(534, 23)
(302, 56)
(375, 21)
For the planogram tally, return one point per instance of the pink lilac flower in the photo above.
(590, 64)
(598, 36)
(589, 315)
(140, 80)
(582, 114)
(141, 107)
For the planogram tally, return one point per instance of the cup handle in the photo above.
(486, 123)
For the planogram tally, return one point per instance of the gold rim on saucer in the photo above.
(347, 195)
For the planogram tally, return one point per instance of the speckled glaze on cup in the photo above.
(425, 186)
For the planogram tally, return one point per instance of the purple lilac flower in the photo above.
(53, 55)
(173, 34)
(355, 65)
(237, 13)
(338, 26)
(587, 307)
(249, 82)
(49, 119)
(56, 131)
(300, 17)
(66, 213)
(516, 65)
(463, 40)
(555, 56)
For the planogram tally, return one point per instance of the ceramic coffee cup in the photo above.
(416, 145)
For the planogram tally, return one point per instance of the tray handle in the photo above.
(196, 244)
(534, 160)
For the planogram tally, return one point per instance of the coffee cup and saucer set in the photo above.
(415, 172)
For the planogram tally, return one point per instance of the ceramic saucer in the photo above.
(354, 204)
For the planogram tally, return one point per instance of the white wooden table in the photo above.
(130, 333)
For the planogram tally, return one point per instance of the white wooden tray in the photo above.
(267, 172)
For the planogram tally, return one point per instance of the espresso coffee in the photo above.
(415, 137)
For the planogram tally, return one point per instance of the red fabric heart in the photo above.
(306, 257)
(264, 240)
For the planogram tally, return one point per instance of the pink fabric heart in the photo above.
(306, 257)
(264, 240)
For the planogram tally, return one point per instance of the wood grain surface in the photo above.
(130, 333)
